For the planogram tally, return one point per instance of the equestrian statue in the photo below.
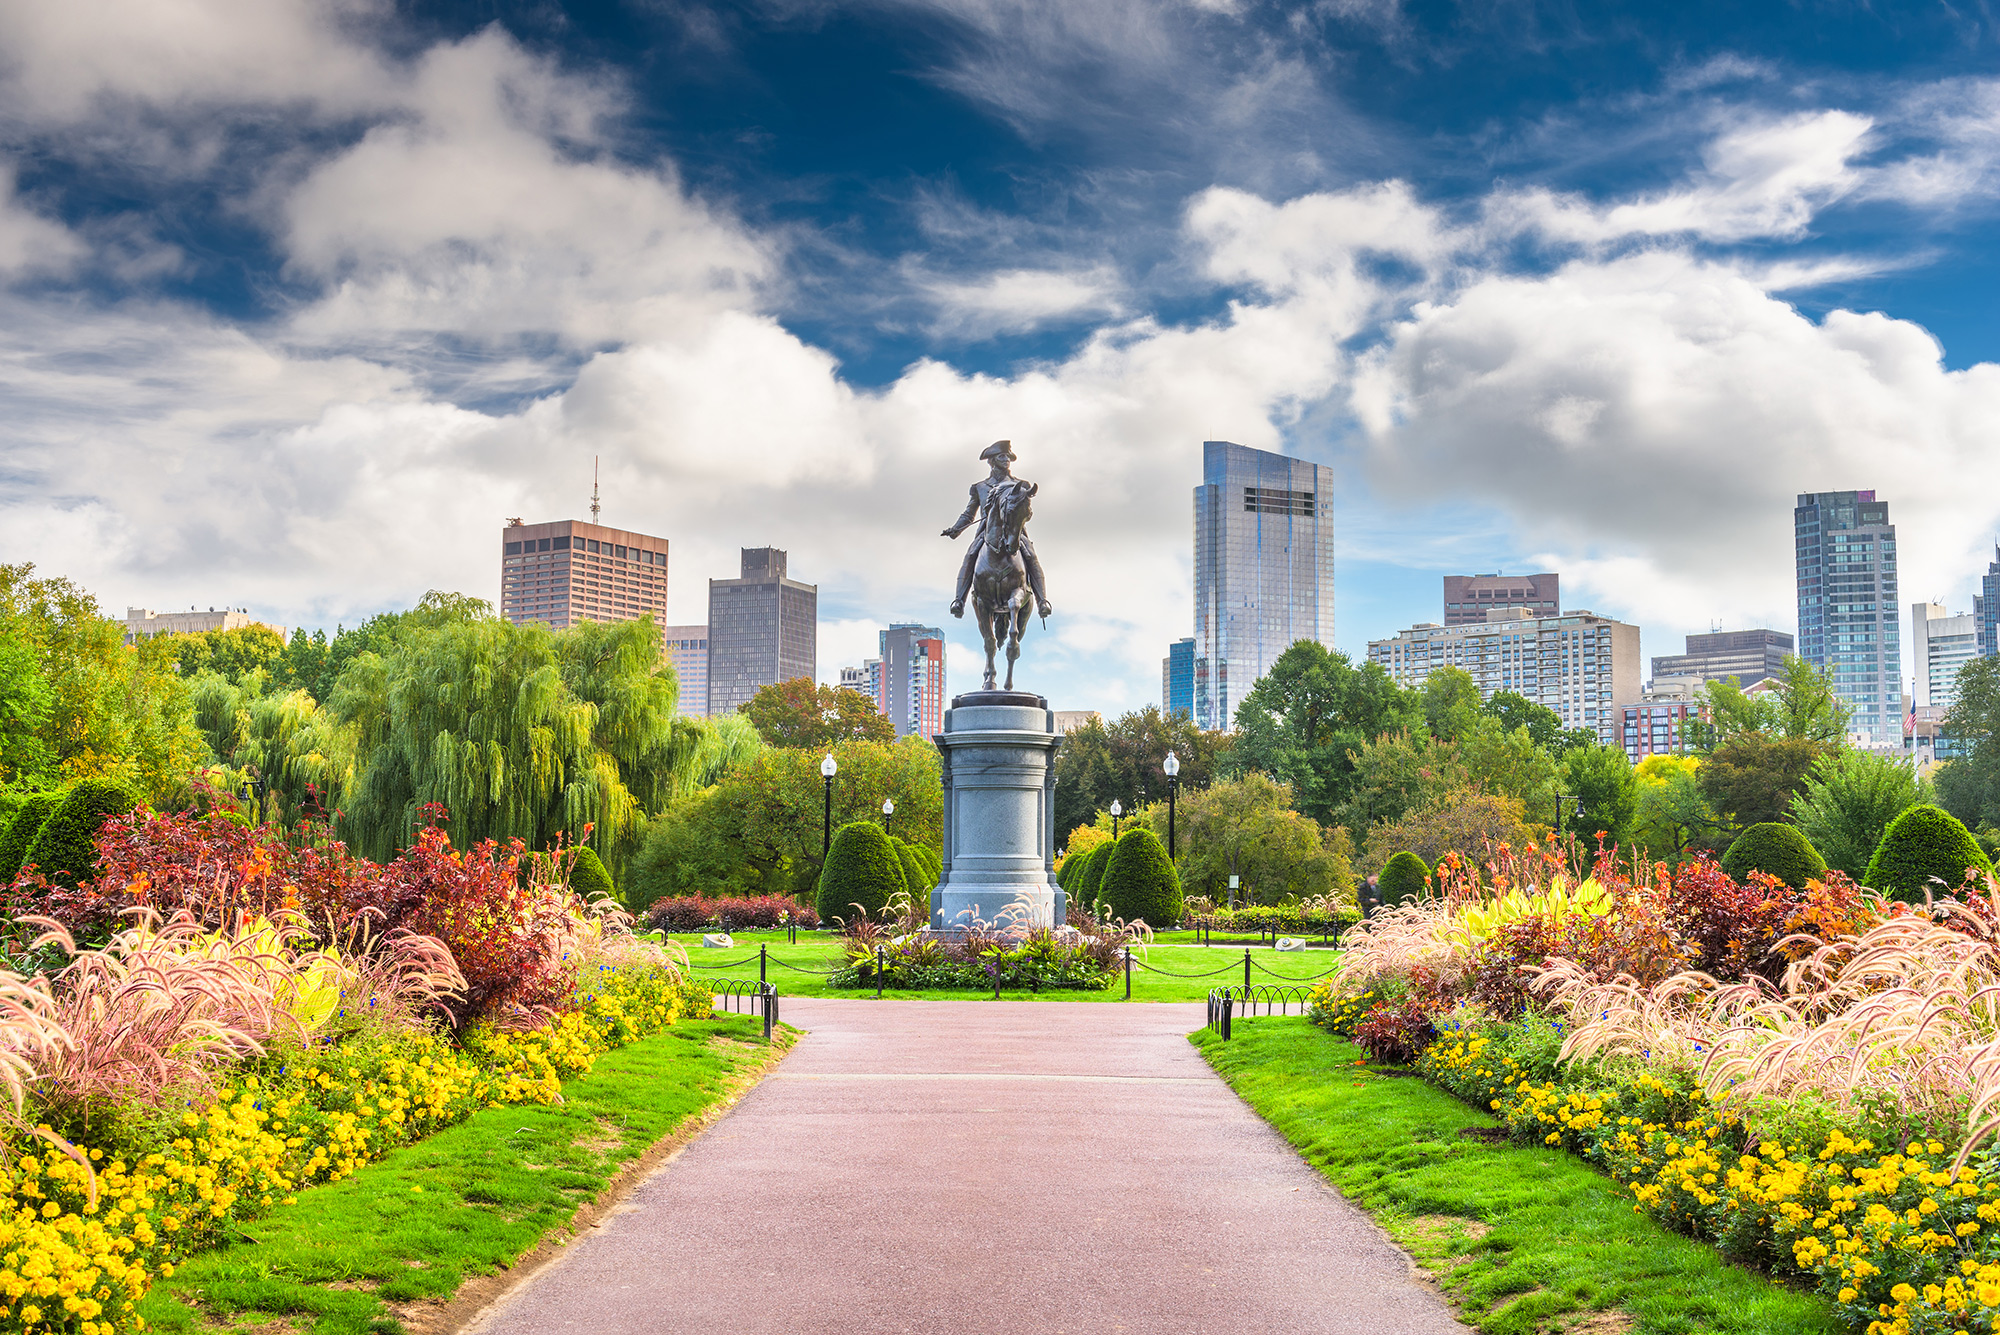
(1000, 572)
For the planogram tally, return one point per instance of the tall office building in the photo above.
(763, 628)
(568, 571)
(1986, 606)
(1177, 679)
(1747, 655)
(1263, 569)
(687, 650)
(1579, 664)
(909, 685)
(1846, 551)
(1942, 645)
(1468, 598)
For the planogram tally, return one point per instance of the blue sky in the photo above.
(302, 298)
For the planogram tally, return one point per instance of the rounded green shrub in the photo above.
(1090, 876)
(1139, 882)
(914, 873)
(64, 849)
(1924, 842)
(1775, 849)
(1402, 878)
(587, 876)
(22, 829)
(861, 869)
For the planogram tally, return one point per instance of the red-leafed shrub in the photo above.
(1396, 1032)
(1729, 929)
(738, 913)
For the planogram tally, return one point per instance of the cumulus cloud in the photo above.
(1017, 300)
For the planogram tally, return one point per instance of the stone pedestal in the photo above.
(999, 751)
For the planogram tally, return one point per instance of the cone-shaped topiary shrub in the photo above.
(914, 873)
(1778, 850)
(861, 868)
(587, 876)
(1922, 843)
(1090, 876)
(64, 850)
(1402, 878)
(20, 833)
(1139, 882)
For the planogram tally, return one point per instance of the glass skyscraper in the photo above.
(1848, 606)
(1986, 606)
(1177, 679)
(1263, 569)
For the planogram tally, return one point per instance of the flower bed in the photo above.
(696, 913)
(1294, 919)
(1807, 1079)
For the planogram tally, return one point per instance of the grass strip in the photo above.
(1521, 1239)
(377, 1251)
(1222, 967)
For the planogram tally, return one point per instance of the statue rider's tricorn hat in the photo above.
(999, 449)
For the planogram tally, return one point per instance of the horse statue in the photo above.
(1001, 598)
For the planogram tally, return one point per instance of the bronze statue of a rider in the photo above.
(1000, 454)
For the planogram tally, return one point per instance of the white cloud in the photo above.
(28, 241)
(1017, 300)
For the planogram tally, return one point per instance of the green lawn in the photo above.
(469, 1200)
(820, 951)
(1522, 1239)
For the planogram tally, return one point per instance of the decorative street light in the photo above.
(1173, 768)
(888, 810)
(1577, 811)
(827, 769)
(1117, 810)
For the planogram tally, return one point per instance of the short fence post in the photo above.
(1226, 1007)
(878, 971)
(770, 1001)
(1128, 973)
(760, 961)
(1246, 973)
(996, 975)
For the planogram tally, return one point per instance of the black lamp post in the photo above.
(1173, 768)
(1117, 810)
(827, 769)
(1561, 798)
(888, 810)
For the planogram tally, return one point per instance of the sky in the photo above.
(300, 299)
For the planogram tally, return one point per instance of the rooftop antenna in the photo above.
(594, 506)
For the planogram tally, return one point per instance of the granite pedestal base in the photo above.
(998, 750)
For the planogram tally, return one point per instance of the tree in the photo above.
(1672, 818)
(862, 873)
(1452, 706)
(1969, 786)
(1776, 849)
(26, 703)
(1139, 883)
(1544, 725)
(1848, 801)
(235, 655)
(1302, 721)
(1925, 851)
(1463, 821)
(1753, 778)
(1403, 771)
(799, 713)
(693, 847)
(1125, 759)
(22, 827)
(1246, 827)
(1602, 776)
(1800, 705)
(778, 800)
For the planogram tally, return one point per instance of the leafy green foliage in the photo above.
(1514, 710)
(1465, 820)
(1246, 827)
(1123, 759)
(1090, 875)
(1849, 799)
(1755, 777)
(1776, 849)
(861, 872)
(26, 703)
(801, 713)
(588, 877)
(1969, 787)
(1800, 706)
(1139, 883)
(1602, 776)
(915, 874)
(1304, 717)
(1672, 818)
(21, 830)
(238, 655)
(1403, 878)
(63, 849)
(1922, 847)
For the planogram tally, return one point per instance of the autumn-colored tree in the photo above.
(801, 713)
(1247, 828)
(1463, 821)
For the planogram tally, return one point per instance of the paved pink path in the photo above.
(956, 1168)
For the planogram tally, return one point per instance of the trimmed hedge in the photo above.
(1402, 879)
(1922, 843)
(694, 913)
(21, 831)
(1775, 849)
(1139, 882)
(587, 876)
(65, 849)
(861, 868)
